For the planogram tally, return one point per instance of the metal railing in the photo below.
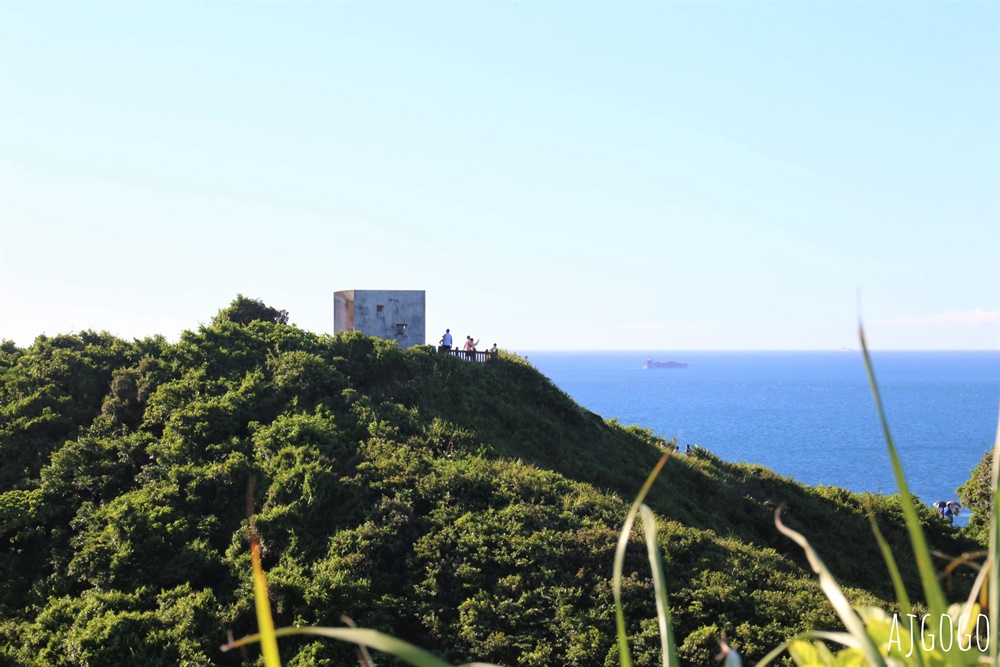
(475, 355)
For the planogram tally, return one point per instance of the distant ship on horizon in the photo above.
(649, 363)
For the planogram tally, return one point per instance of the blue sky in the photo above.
(556, 175)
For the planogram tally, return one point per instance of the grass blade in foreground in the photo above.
(928, 577)
(890, 561)
(667, 644)
(833, 593)
(902, 598)
(624, 653)
(368, 638)
(268, 640)
(833, 637)
(991, 561)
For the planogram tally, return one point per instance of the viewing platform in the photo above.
(476, 355)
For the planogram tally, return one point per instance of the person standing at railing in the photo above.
(445, 342)
(470, 347)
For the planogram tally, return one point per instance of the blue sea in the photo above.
(806, 415)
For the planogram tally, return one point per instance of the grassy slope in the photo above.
(468, 508)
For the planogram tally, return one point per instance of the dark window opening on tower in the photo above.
(379, 308)
(400, 329)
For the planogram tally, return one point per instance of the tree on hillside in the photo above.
(244, 310)
(976, 495)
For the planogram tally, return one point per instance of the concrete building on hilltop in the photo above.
(391, 314)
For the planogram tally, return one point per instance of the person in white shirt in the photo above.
(446, 340)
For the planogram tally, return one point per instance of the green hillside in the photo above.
(471, 509)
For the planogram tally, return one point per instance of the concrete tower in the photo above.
(391, 314)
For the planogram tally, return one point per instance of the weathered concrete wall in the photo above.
(391, 314)
(343, 310)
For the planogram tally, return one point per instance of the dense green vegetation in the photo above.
(977, 497)
(471, 509)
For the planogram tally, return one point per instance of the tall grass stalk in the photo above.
(994, 547)
(850, 619)
(928, 577)
(890, 562)
(624, 652)
(667, 645)
(268, 640)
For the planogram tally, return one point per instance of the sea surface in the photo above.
(806, 415)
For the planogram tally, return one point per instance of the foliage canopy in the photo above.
(472, 509)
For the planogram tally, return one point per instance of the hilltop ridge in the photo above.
(468, 508)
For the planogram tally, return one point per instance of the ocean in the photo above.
(806, 415)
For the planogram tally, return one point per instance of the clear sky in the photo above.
(556, 175)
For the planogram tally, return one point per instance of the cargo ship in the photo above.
(649, 363)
